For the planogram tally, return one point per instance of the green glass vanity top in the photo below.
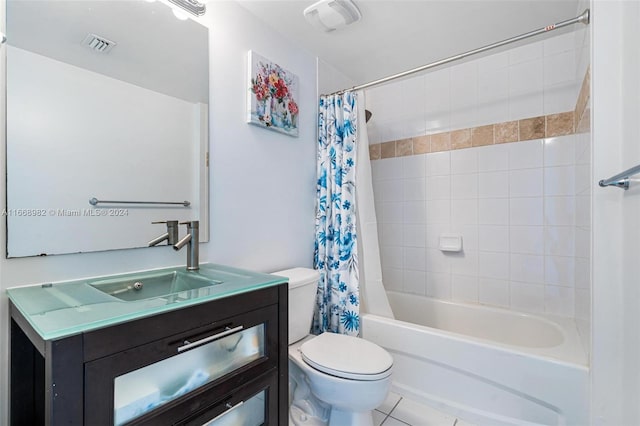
(63, 309)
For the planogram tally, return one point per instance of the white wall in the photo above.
(108, 139)
(262, 182)
(616, 234)
(330, 79)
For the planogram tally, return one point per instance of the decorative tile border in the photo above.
(546, 126)
(583, 105)
(511, 131)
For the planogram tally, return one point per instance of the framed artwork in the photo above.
(273, 94)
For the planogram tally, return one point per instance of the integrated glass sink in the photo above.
(61, 309)
(150, 285)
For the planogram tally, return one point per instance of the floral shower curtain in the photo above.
(335, 256)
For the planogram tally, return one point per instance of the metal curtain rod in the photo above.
(584, 18)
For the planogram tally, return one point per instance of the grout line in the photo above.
(394, 407)
(400, 421)
(391, 411)
(385, 418)
(387, 415)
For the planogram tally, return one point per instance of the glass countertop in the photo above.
(63, 309)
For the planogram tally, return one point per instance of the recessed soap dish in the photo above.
(450, 242)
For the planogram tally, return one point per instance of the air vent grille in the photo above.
(98, 43)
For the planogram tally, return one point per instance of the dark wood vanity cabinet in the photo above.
(81, 379)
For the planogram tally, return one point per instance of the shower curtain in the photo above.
(373, 298)
(335, 253)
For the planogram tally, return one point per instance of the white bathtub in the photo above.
(488, 366)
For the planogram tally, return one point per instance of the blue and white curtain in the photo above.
(337, 300)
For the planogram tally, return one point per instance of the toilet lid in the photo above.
(347, 357)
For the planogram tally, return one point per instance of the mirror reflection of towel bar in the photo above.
(94, 202)
(621, 180)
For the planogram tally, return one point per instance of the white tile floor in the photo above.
(400, 411)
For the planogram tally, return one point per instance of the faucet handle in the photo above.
(171, 235)
(191, 223)
(167, 222)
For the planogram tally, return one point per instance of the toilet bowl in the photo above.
(333, 379)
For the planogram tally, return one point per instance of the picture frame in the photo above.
(272, 97)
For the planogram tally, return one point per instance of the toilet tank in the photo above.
(303, 284)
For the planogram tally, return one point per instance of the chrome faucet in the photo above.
(193, 239)
(171, 235)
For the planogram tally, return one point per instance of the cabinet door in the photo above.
(160, 375)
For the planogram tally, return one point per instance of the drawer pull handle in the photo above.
(230, 408)
(227, 331)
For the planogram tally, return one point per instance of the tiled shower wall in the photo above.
(528, 81)
(582, 42)
(519, 206)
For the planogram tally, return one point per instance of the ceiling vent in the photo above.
(98, 43)
(330, 15)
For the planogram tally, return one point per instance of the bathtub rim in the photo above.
(570, 353)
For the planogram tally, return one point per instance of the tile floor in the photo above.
(400, 411)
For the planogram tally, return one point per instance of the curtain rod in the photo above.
(584, 18)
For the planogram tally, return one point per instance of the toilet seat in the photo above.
(347, 357)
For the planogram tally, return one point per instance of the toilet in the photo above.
(334, 379)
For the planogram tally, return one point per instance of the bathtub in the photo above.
(486, 365)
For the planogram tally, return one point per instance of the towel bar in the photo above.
(94, 202)
(621, 180)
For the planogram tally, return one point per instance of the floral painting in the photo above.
(273, 96)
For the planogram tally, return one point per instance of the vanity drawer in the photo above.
(160, 375)
(111, 340)
(253, 404)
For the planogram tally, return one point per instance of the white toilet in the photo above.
(333, 379)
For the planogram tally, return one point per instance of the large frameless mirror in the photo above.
(105, 100)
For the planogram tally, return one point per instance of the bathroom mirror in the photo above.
(106, 100)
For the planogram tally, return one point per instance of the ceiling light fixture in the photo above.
(179, 14)
(192, 6)
(330, 15)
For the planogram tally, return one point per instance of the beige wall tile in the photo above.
(440, 142)
(481, 136)
(461, 139)
(584, 98)
(506, 132)
(422, 144)
(584, 124)
(560, 124)
(374, 152)
(388, 149)
(404, 147)
(531, 128)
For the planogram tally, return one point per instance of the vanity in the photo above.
(161, 347)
